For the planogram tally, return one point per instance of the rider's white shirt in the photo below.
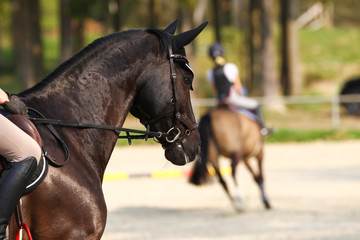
(230, 71)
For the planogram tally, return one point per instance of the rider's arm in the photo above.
(213, 88)
(3, 96)
(210, 78)
(238, 85)
(232, 73)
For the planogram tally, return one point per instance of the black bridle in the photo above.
(173, 131)
(177, 116)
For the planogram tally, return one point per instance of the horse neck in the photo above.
(99, 89)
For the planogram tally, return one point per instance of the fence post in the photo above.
(335, 112)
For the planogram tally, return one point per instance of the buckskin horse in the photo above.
(144, 72)
(228, 133)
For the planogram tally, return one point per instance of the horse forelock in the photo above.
(166, 40)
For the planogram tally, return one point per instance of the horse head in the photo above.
(163, 99)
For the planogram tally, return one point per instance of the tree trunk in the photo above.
(186, 22)
(290, 73)
(36, 39)
(65, 31)
(217, 19)
(78, 34)
(254, 45)
(1, 45)
(27, 41)
(106, 17)
(270, 85)
(269, 82)
(152, 14)
(245, 71)
(199, 12)
(118, 21)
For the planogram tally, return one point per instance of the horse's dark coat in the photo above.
(351, 86)
(101, 84)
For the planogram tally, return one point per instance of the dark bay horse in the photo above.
(233, 135)
(144, 72)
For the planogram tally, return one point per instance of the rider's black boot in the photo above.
(263, 130)
(13, 182)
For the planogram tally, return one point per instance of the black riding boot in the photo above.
(263, 130)
(13, 182)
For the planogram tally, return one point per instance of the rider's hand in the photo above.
(3, 96)
(15, 106)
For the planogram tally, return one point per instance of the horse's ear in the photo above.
(172, 27)
(185, 38)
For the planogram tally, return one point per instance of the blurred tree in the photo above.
(216, 10)
(270, 85)
(254, 46)
(185, 10)
(226, 12)
(115, 8)
(199, 11)
(73, 15)
(66, 50)
(79, 10)
(346, 12)
(290, 74)
(262, 78)
(27, 41)
(2, 20)
(152, 15)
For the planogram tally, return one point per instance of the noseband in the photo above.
(177, 117)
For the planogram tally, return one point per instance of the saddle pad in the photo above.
(247, 113)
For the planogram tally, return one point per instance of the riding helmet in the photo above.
(216, 50)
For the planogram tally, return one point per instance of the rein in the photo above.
(117, 130)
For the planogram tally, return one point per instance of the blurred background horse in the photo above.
(235, 136)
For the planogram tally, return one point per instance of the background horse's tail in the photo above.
(200, 174)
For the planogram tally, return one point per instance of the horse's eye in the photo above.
(188, 82)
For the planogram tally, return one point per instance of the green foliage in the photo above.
(49, 21)
(124, 142)
(327, 52)
(291, 135)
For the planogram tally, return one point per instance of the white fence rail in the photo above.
(335, 102)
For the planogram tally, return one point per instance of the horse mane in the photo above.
(82, 57)
(164, 39)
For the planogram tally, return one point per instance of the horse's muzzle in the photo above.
(184, 151)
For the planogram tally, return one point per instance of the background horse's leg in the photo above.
(238, 199)
(259, 179)
(224, 185)
(213, 158)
